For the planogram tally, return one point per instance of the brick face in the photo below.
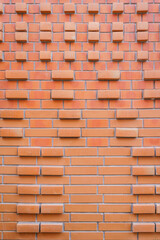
(80, 120)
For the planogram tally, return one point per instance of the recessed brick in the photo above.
(54, 171)
(142, 7)
(45, 36)
(45, 26)
(142, 36)
(117, 27)
(21, 36)
(69, 36)
(117, 36)
(93, 56)
(143, 152)
(143, 227)
(16, 74)
(151, 94)
(21, 56)
(69, 114)
(28, 209)
(45, 55)
(69, 8)
(71, 133)
(28, 189)
(15, 114)
(21, 26)
(27, 227)
(143, 208)
(126, 132)
(142, 171)
(45, 8)
(142, 56)
(11, 132)
(143, 189)
(51, 228)
(69, 56)
(25, 152)
(93, 26)
(108, 94)
(49, 152)
(51, 209)
(117, 56)
(16, 94)
(21, 7)
(93, 8)
(117, 8)
(70, 27)
(28, 171)
(62, 94)
(62, 75)
(142, 26)
(108, 75)
(93, 36)
(152, 75)
(51, 190)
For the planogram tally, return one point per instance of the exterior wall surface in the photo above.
(80, 120)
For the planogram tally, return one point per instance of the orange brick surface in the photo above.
(79, 120)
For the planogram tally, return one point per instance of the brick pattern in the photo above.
(79, 137)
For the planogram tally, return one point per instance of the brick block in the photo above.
(143, 189)
(53, 171)
(93, 56)
(62, 94)
(142, 7)
(21, 26)
(31, 152)
(117, 36)
(9, 114)
(45, 55)
(51, 190)
(142, 171)
(45, 36)
(69, 8)
(151, 94)
(157, 189)
(117, 56)
(49, 152)
(117, 27)
(28, 209)
(93, 26)
(157, 170)
(69, 114)
(1, 8)
(143, 208)
(152, 75)
(11, 132)
(143, 227)
(158, 208)
(30, 171)
(27, 227)
(142, 36)
(142, 56)
(69, 36)
(157, 152)
(62, 75)
(142, 26)
(127, 114)
(21, 56)
(93, 36)
(1, 56)
(69, 56)
(45, 26)
(157, 227)
(117, 8)
(93, 8)
(126, 132)
(28, 189)
(108, 75)
(70, 27)
(1, 36)
(51, 228)
(51, 209)
(108, 94)
(71, 133)
(45, 8)
(21, 36)
(16, 74)
(21, 8)
(16, 94)
(143, 152)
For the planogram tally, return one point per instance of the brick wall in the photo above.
(80, 120)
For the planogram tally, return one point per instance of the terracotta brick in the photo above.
(25, 152)
(1, 56)
(151, 94)
(158, 208)
(51, 209)
(143, 227)
(45, 56)
(11, 132)
(69, 36)
(28, 170)
(117, 8)
(117, 56)
(70, 27)
(143, 152)
(157, 227)
(15, 114)
(143, 208)
(51, 228)
(127, 114)
(45, 8)
(28, 209)
(108, 94)
(21, 26)
(27, 227)
(93, 36)
(21, 56)
(62, 75)
(142, 36)
(45, 36)
(21, 36)
(55, 171)
(139, 170)
(55, 152)
(108, 75)
(142, 26)
(45, 26)
(62, 94)
(69, 114)
(93, 27)
(93, 8)
(16, 74)
(1, 8)
(28, 189)
(93, 56)
(1, 36)
(49, 190)
(152, 75)
(142, 7)
(142, 55)
(16, 94)
(117, 36)
(21, 7)
(117, 27)
(72, 133)
(157, 189)
(69, 55)
(126, 132)
(69, 8)
(143, 189)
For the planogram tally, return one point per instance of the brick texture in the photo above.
(79, 120)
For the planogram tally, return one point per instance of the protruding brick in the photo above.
(11, 132)
(143, 189)
(1, 8)
(49, 152)
(45, 36)
(71, 133)
(143, 152)
(31, 152)
(158, 171)
(45, 26)
(117, 8)
(93, 8)
(62, 75)
(69, 56)
(15, 114)
(117, 56)
(70, 27)
(142, 7)
(28, 208)
(143, 208)
(21, 7)
(143, 227)
(143, 170)
(93, 36)
(51, 209)
(16, 94)
(62, 94)
(28, 170)
(1, 56)
(51, 190)
(1, 36)
(45, 55)
(142, 26)
(51, 228)
(108, 75)
(28, 189)
(93, 56)
(151, 94)
(158, 208)
(69, 8)
(127, 114)
(108, 94)
(152, 75)
(117, 27)
(45, 8)
(157, 189)
(27, 227)
(54, 171)
(69, 36)
(69, 114)
(126, 132)
(21, 56)
(157, 152)
(16, 74)
(117, 36)
(21, 36)
(157, 227)
(21, 26)
(93, 26)
(142, 56)
(142, 36)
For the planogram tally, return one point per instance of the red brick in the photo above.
(15, 114)
(21, 36)
(143, 152)
(62, 94)
(69, 8)
(93, 8)
(151, 75)
(16, 75)
(49, 190)
(69, 114)
(27, 227)
(143, 189)
(45, 26)
(51, 228)
(55, 171)
(142, 26)
(50, 209)
(93, 27)
(108, 75)
(69, 55)
(25, 152)
(11, 132)
(93, 36)
(127, 114)
(126, 132)
(142, 55)
(16, 94)
(143, 208)
(69, 36)
(72, 133)
(142, 7)
(62, 75)
(117, 36)
(28, 189)
(28, 171)
(139, 170)
(117, 8)
(45, 36)
(142, 36)
(45, 56)
(93, 56)
(108, 94)
(158, 208)
(21, 26)
(45, 8)
(48, 152)
(70, 27)
(1, 8)
(117, 27)
(28, 208)
(143, 227)
(117, 56)
(151, 94)
(21, 56)
(21, 7)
